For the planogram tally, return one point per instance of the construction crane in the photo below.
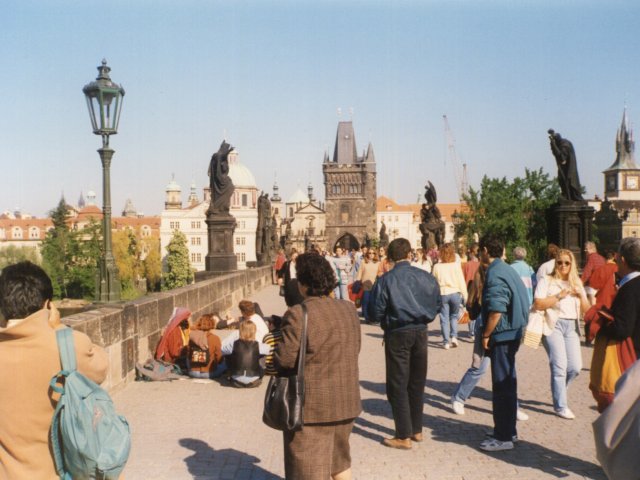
(460, 175)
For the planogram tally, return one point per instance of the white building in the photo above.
(404, 220)
(191, 219)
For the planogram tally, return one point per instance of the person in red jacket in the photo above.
(594, 261)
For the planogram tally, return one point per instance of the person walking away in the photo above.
(404, 300)
(367, 275)
(454, 294)
(524, 271)
(563, 294)
(288, 274)
(594, 261)
(505, 313)
(30, 359)
(332, 390)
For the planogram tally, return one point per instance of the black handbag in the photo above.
(284, 399)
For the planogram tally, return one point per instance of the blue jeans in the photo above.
(505, 388)
(473, 375)
(565, 359)
(364, 303)
(341, 291)
(449, 313)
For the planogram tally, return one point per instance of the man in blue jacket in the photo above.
(404, 300)
(505, 306)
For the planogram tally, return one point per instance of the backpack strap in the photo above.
(64, 338)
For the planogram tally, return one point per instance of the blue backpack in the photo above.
(88, 438)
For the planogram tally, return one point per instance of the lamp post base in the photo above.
(108, 283)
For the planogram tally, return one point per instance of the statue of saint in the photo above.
(263, 233)
(384, 238)
(220, 182)
(565, 155)
(431, 226)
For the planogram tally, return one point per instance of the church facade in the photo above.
(350, 192)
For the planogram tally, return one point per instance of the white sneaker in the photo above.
(446, 346)
(454, 342)
(457, 406)
(521, 415)
(494, 445)
(566, 414)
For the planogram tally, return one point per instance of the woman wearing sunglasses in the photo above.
(564, 299)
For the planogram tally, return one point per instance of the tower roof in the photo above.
(625, 146)
(298, 197)
(345, 149)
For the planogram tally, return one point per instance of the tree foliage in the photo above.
(513, 210)
(70, 257)
(179, 271)
(14, 254)
(152, 263)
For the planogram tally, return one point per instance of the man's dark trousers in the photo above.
(406, 362)
(505, 389)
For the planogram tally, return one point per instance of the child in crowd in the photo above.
(244, 360)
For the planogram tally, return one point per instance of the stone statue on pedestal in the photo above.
(431, 224)
(220, 223)
(264, 231)
(220, 182)
(565, 155)
(384, 238)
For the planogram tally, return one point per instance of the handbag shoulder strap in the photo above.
(303, 343)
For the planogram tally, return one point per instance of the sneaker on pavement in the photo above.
(401, 443)
(521, 415)
(446, 345)
(514, 438)
(454, 342)
(566, 414)
(457, 406)
(493, 445)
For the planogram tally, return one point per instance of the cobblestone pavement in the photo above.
(207, 430)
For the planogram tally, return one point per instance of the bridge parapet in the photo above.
(130, 331)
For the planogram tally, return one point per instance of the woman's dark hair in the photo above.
(314, 272)
(24, 288)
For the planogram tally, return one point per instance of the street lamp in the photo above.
(104, 100)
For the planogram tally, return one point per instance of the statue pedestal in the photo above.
(220, 228)
(570, 226)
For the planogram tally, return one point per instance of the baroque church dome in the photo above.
(240, 175)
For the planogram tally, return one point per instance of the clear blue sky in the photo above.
(271, 74)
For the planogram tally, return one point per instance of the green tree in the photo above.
(179, 271)
(70, 257)
(152, 263)
(515, 211)
(13, 254)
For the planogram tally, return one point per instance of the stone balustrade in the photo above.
(129, 331)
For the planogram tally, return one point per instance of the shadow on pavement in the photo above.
(208, 464)
(525, 454)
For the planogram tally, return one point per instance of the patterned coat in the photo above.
(332, 390)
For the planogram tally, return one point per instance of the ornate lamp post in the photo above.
(104, 99)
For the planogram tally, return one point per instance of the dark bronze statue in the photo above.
(220, 182)
(384, 238)
(565, 155)
(431, 224)
(264, 230)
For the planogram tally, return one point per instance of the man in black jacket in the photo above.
(626, 306)
(404, 300)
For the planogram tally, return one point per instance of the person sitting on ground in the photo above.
(174, 341)
(247, 312)
(30, 359)
(244, 360)
(202, 339)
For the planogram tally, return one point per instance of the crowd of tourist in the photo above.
(400, 289)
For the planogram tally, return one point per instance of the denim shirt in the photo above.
(404, 297)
